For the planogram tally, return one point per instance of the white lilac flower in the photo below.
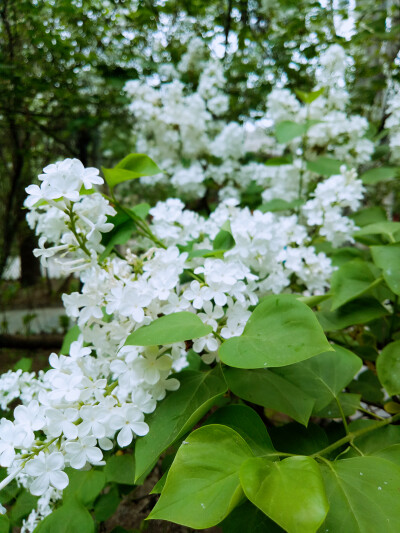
(11, 437)
(130, 421)
(47, 469)
(61, 421)
(83, 450)
(29, 418)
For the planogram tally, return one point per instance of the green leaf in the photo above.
(315, 300)
(120, 234)
(247, 518)
(224, 239)
(24, 364)
(324, 376)
(351, 280)
(389, 229)
(24, 504)
(4, 524)
(71, 336)
(203, 484)
(277, 204)
(177, 414)
(71, 517)
(288, 130)
(131, 167)
(325, 166)
(388, 368)
(106, 505)
(10, 491)
(367, 384)
(120, 469)
(295, 438)
(84, 485)
(379, 442)
(281, 331)
(290, 492)
(369, 215)
(357, 311)
(375, 175)
(363, 495)
(168, 329)
(141, 210)
(309, 97)
(266, 388)
(349, 403)
(140, 163)
(388, 259)
(278, 161)
(158, 487)
(247, 423)
(206, 253)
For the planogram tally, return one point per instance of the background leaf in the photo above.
(71, 517)
(388, 367)
(131, 167)
(120, 469)
(323, 376)
(388, 259)
(265, 388)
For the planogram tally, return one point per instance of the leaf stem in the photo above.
(355, 434)
(346, 427)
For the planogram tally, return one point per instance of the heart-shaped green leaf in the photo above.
(388, 367)
(352, 280)
(281, 331)
(375, 175)
(177, 414)
(325, 166)
(131, 167)
(363, 495)
(266, 388)
(290, 492)
(168, 329)
(324, 376)
(388, 259)
(247, 423)
(203, 485)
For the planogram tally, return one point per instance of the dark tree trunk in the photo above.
(30, 265)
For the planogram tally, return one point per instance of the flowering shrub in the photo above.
(186, 128)
(187, 320)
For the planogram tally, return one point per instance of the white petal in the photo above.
(140, 428)
(40, 485)
(94, 455)
(35, 467)
(55, 461)
(79, 460)
(7, 457)
(59, 479)
(125, 436)
(105, 443)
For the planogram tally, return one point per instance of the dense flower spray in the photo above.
(96, 397)
(187, 129)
